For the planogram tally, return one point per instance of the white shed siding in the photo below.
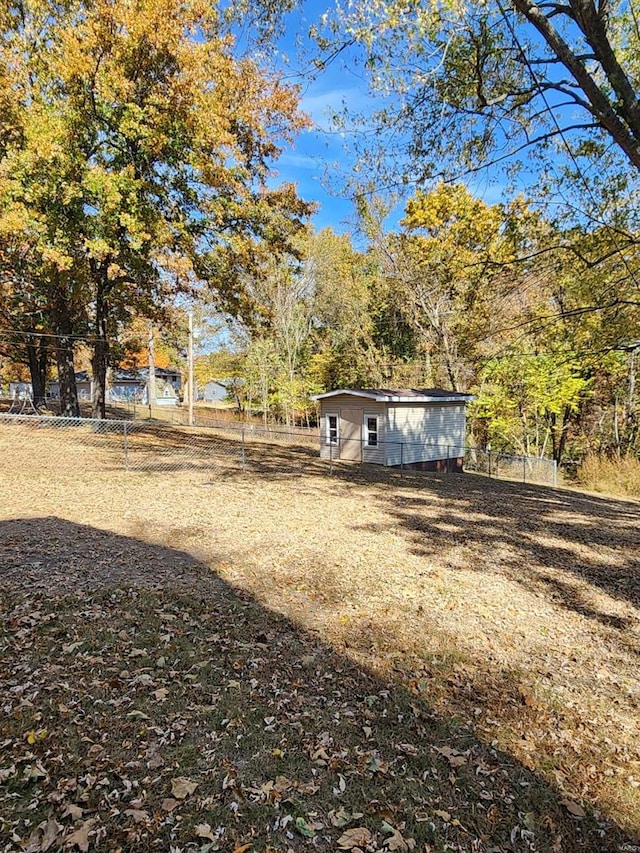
(419, 433)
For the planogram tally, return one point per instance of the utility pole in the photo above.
(190, 368)
(151, 390)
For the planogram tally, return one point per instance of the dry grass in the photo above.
(455, 658)
(615, 476)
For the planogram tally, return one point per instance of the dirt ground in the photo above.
(513, 610)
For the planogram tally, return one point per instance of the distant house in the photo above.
(133, 386)
(222, 390)
(84, 385)
(214, 391)
(416, 427)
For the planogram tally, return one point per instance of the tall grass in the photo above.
(615, 476)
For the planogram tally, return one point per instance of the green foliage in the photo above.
(462, 85)
(525, 400)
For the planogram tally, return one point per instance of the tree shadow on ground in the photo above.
(536, 530)
(146, 703)
(527, 532)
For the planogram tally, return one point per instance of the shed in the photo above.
(420, 428)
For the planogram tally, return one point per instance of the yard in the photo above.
(202, 659)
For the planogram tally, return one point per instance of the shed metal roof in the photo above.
(401, 395)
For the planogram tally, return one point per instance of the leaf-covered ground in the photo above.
(206, 660)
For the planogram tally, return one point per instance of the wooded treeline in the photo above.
(137, 150)
(474, 297)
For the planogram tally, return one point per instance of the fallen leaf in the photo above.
(357, 837)
(527, 697)
(80, 838)
(7, 773)
(161, 694)
(396, 841)
(138, 815)
(282, 784)
(182, 788)
(32, 736)
(304, 828)
(454, 758)
(34, 771)
(169, 804)
(72, 811)
(573, 808)
(376, 765)
(50, 831)
(203, 830)
(340, 818)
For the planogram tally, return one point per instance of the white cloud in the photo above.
(321, 107)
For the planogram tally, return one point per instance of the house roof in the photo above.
(141, 374)
(401, 395)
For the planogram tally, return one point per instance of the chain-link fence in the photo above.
(151, 447)
(57, 442)
(525, 469)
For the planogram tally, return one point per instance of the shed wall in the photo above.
(421, 433)
(334, 405)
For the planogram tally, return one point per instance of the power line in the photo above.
(9, 331)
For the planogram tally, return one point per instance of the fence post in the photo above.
(402, 458)
(555, 474)
(524, 469)
(448, 459)
(489, 460)
(244, 460)
(330, 458)
(126, 447)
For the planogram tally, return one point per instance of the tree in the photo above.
(445, 273)
(155, 145)
(344, 306)
(477, 83)
(24, 330)
(526, 400)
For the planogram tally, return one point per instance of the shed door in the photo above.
(351, 434)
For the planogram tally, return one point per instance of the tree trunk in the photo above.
(69, 406)
(100, 359)
(63, 325)
(559, 433)
(38, 356)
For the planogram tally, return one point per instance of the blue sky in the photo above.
(320, 156)
(312, 160)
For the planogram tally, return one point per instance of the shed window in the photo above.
(332, 428)
(371, 430)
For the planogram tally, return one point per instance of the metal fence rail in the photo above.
(525, 469)
(153, 447)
